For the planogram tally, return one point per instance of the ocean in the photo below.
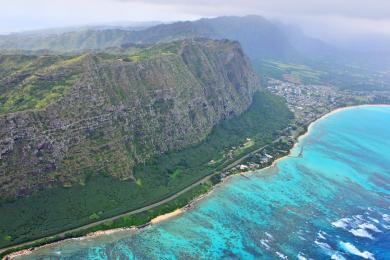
(332, 202)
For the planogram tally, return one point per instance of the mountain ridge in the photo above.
(121, 113)
(267, 35)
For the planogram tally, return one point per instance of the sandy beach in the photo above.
(16, 254)
(106, 232)
(166, 216)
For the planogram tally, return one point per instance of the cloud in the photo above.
(17, 15)
(333, 27)
(373, 9)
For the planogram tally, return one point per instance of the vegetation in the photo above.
(291, 72)
(325, 73)
(58, 209)
(154, 51)
(356, 77)
(138, 219)
(144, 217)
(33, 82)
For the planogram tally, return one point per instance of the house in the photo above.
(243, 167)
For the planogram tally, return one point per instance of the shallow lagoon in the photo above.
(334, 201)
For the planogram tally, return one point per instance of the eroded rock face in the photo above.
(122, 113)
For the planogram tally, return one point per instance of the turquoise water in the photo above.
(334, 201)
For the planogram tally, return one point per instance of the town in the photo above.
(308, 103)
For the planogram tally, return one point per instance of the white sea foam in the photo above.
(373, 220)
(350, 248)
(369, 226)
(386, 226)
(280, 255)
(269, 235)
(386, 217)
(322, 244)
(321, 234)
(334, 254)
(341, 223)
(301, 256)
(360, 232)
(359, 217)
(265, 244)
(337, 256)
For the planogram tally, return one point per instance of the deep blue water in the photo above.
(333, 202)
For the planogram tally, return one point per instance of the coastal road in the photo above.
(159, 203)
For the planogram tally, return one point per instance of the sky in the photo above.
(327, 19)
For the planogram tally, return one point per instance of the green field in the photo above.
(59, 209)
(284, 71)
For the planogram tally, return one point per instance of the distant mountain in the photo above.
(125, 25)
(259, 37)
(68, 41)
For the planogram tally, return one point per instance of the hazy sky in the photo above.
(325, 18)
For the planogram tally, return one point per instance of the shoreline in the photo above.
(309, 127)
(166, 216)
(192, 203)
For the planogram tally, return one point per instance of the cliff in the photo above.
(112, 111)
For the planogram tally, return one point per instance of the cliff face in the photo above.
(123, 111)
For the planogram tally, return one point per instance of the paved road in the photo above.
(62, 234)
(203, 180)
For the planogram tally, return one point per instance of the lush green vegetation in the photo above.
(58, 209)
(139, 52)
(33, 82)
(348, 76)
(357, 78)
(144, 217)
(291, 72)
(128, 220)
(155, 51)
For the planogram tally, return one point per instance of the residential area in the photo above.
(308, 103)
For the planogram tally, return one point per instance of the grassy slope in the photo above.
(59, 209)
(33, 82)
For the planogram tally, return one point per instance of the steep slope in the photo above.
(122, 110)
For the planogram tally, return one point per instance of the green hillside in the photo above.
(57, 209)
